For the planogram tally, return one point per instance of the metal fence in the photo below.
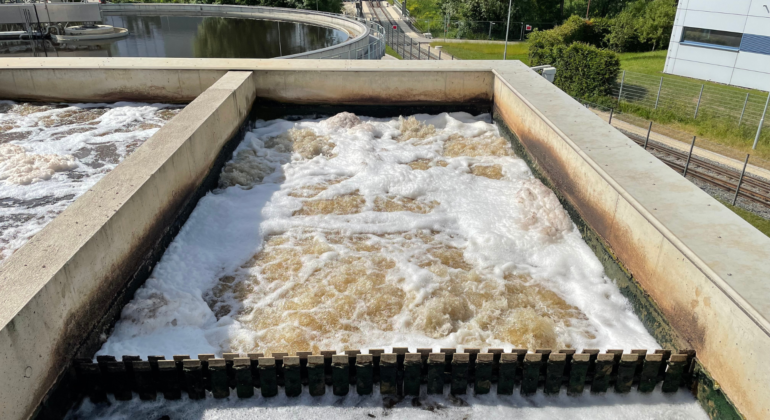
(689, 101)
(632, 124)
(409, 49)
(471, 29)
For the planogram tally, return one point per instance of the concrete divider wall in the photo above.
(700, 263)
(295, 81)
(358, 31)
(66, 82)
(56, 290)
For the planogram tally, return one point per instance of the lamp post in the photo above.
(507, 28)
(490, 30)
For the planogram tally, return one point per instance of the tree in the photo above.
(657, 22)
(622, 31)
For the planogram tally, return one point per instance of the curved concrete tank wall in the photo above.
(353, 48)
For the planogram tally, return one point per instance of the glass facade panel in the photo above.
(710, 36)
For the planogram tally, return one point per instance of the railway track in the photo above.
(752, 189)
(406, 51)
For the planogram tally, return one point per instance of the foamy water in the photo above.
(350, 233)
(364, 233)
(51, 154)
(609, 406)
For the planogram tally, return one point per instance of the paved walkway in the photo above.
(416, 37)
(684, 147)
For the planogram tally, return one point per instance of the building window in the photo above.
(712, 38)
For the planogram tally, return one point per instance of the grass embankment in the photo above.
(482, 51)
(391, 51)
(717, 128)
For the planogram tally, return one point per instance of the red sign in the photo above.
(529, 27)
(395, 27)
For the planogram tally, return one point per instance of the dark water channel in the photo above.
(188, 36)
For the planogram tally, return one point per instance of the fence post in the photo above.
(697, 107)
(411, 44)
(659, 89)
(612, 111)
(622, 81)
(648, 136)
(746, 102)
(439, 54)
(687, 165)
(419, 50)
(740, 180)
(761, 122)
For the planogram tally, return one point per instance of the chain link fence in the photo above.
(633, 125)
(471, 29)
(741, 110)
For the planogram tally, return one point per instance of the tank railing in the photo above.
(398, 373)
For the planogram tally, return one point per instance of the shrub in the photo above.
(574, 29)
(584, 71)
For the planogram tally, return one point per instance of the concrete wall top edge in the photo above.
(729, 251)
(155, 63)
(55, 245)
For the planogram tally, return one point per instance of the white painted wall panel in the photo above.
(738, 7)
(707, 55)
(751, 79)
(679, 18)
(702, 71)
(676, 33)
(760, 8)
(718, 21)
(754, 62)
(758, 25)
(670, 66)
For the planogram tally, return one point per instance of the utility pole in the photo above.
(588, 9)
(507, 28)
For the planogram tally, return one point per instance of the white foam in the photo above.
(513, 226)
(610, 406)
(510, 226)
(50, 155)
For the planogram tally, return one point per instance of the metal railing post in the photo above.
(622, 81)
(411, 44)
(612, 111)
(687, 165)
(659, 89)
(439, 54)
(740, 180)
(761, 122)
(746, 102)
(697, 107)
(419, 50)
(647, 140)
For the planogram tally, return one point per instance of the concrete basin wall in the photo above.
(705, 267)
(353, 48)
(702, 265)
(58, 288)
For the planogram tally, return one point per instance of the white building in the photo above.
(725, 41)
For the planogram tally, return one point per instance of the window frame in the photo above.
(683, 41)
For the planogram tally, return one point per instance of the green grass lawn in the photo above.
(391, 51)
(645, 62)
(481, 51)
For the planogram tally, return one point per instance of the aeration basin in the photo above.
(456, 235)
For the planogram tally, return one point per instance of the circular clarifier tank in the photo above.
(183, 37)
